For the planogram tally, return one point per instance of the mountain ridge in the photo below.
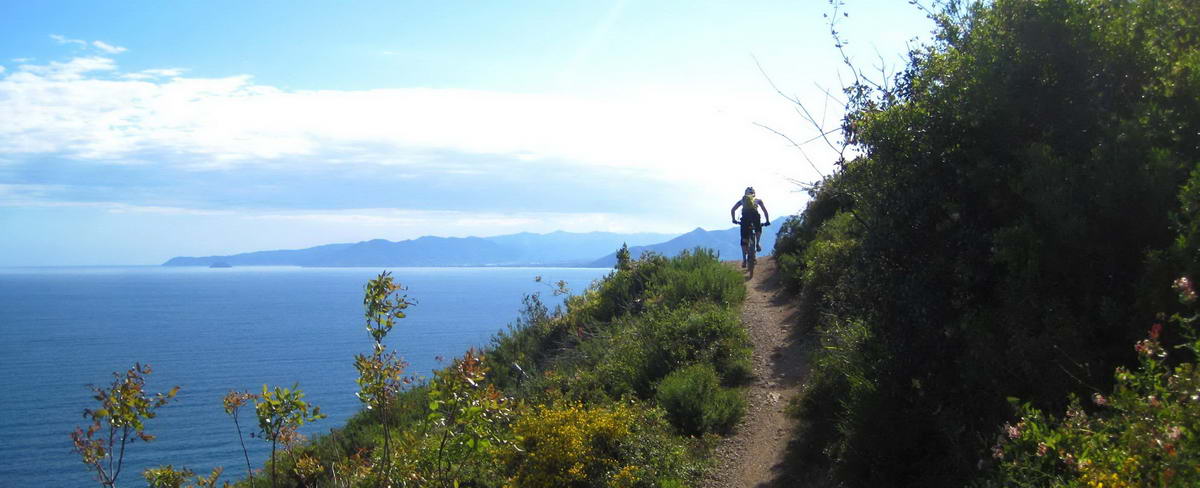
(556, 248)
(725, 242)
(521, 249)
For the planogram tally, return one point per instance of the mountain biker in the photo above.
(751, 224)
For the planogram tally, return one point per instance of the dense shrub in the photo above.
(695, 276)
(676, 312)
(1016, 190)
(797, 232)
(519, 352)
(704, 333)
(697, 404)
(623, 292)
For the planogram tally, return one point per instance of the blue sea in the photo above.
(210, 331)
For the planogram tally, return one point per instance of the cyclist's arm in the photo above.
(734, 209)
(766, 215)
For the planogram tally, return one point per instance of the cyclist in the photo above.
(751, 224)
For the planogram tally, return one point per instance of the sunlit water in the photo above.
(210, 331)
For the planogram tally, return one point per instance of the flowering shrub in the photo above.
(572, 446)
(1146, 433)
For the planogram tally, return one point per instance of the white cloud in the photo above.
(164, 72)
(100, 45)
(108, 48)
(56, 71)
(79, 110)
(66, 40)
(150, 74)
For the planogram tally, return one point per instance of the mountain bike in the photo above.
(750, 252)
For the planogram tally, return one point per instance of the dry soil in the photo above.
(753, 456)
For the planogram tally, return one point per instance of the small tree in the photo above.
(468, 422)
(117, 422)
(233, 402)
(623, 258)
(380, 375)
(280, 412)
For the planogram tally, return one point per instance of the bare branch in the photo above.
(771, 82)
(795, 145)
(829, 96)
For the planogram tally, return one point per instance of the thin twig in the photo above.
(797, 146)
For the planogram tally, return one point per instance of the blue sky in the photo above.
(144, 130)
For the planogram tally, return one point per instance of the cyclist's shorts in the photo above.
(749, 226)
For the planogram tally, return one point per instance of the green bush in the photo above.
(520, 352)
(1012, 196)
(633, 354)
(703, 333)
(696, 403)
(797, 232)
(694, 276)
(623, 292)
(686, 312)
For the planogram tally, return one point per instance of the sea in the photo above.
(212, 330)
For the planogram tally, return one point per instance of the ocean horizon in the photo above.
(212, 330)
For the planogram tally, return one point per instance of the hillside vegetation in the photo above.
(1025, 194)
(629, 384)
(618, 388)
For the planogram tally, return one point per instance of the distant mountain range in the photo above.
(524, 249)
(727, 244)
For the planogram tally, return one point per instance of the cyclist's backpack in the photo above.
(749, 207)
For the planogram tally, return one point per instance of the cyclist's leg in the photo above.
(746, 236)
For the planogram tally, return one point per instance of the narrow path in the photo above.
(753, 456)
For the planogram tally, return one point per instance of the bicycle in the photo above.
(750, 250)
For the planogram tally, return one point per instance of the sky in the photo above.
(138, 131)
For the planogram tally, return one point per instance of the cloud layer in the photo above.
(85, 109)
(232, 164)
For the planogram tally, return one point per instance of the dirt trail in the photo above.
(753, 456)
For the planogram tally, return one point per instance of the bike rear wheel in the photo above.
(751, 251)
